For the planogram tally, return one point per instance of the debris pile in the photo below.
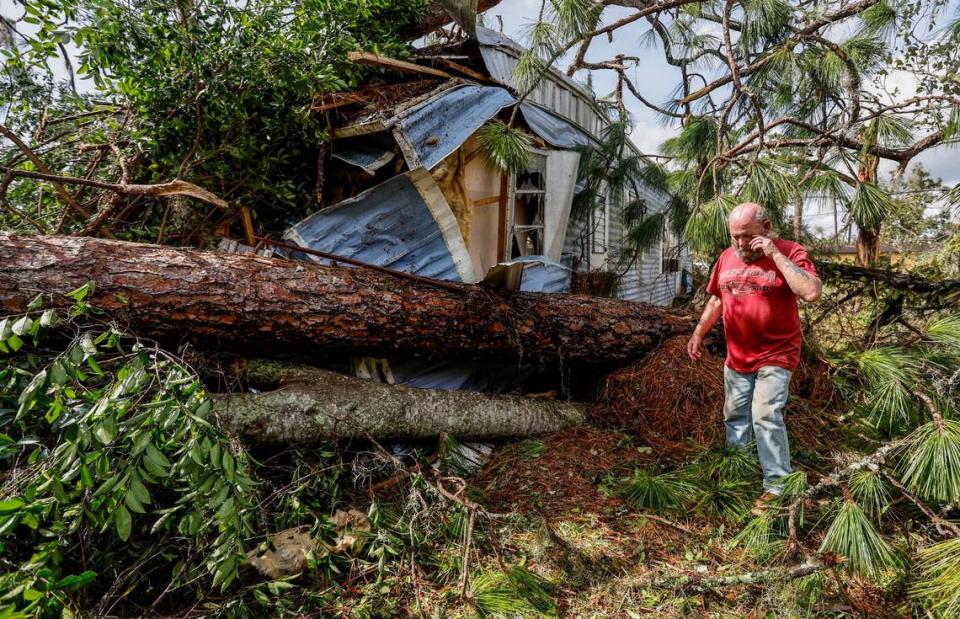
(666, 399)
(559, 473)
(675, 405)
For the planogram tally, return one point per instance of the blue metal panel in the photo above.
(541, 274)
(388, 225)
(369, 152)
(553, 128)
(442, 124)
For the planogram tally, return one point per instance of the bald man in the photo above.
(754, 286)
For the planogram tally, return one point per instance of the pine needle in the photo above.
(658, 493)
(870, 491)
(518, 593)
(938, 587)
(505, 146)
(852, 536)
(931, 463)
(870, 206)
(706, 228)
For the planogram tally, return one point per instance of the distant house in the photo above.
(414, 191)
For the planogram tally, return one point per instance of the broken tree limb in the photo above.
(312, 404)
(437, 14)
(703, 584)
(249, 303)
(44, 171)
(385, 62)
(175, 187)
(943, 292)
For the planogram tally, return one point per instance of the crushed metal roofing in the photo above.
(403, 223)
(368, 152)
(430, 128)
(555, 130)
(440, 125)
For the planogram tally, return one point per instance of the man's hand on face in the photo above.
(764, 244)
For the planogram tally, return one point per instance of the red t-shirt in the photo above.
(760, 317)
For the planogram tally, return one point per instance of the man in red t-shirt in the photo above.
(754, 286)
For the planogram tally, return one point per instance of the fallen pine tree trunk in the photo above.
(312, 404)
(248, 303)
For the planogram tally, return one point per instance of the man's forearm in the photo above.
(802, 283)
(711, 314)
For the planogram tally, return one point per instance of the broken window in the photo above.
(529, 203)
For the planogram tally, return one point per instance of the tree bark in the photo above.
(868, 246)
(313, 404)
(247, 303)
(436, 15)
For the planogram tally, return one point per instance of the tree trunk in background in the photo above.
(312, 404)
(868, 246)
(268, 306)
(868, 239)
(798, 219)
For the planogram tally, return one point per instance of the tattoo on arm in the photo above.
(798, 270)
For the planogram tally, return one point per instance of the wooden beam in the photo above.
(248, 226)
(361, 129)
(337, 100)
(376, 60)
(459, 68)
(502, 220)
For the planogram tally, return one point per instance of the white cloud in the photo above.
(649, 136)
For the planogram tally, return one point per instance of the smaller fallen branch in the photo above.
(44, 171)
(835, 478)
(942, 525)
(703, 584)
(942, 292)
(313, 404)
(175, 187)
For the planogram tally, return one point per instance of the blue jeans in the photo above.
(754, 407)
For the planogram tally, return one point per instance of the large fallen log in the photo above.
(248, 303)
(312, 404)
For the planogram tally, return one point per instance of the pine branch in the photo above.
(939, 522)
(835, 479)
(704, 584)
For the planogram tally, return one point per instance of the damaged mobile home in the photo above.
(411, 189)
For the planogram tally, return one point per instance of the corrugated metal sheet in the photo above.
(556, 91)
(403, 223)
(541, 274)
(554, 128)
(439, 126)
(369, 152)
